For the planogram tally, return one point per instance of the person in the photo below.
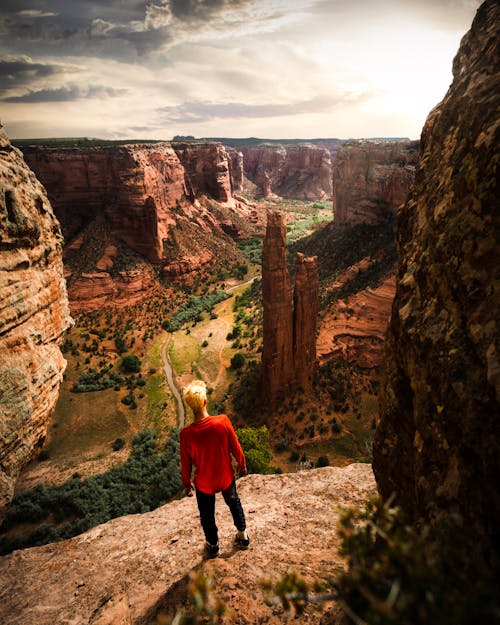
(207, 444)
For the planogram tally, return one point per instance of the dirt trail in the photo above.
(167, 366)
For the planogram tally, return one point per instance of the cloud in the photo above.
(66, 94)
(35, 13)
(202, 111)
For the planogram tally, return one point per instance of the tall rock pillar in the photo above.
(289, 349)
(277, 352)
(305, 313)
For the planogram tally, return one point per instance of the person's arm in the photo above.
(186, 467)
(235, 449)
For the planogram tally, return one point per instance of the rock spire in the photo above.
(289, 324)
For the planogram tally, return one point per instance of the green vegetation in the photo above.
(416, 576)
(258, 452)
(130, 364)
(193, 309)
(237, 361)
(92, 380)
(252, 250)
(147, 479)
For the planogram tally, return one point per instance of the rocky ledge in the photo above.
(125, 571)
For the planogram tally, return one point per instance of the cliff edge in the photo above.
(125, 571)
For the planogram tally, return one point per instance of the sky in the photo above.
(226, 68)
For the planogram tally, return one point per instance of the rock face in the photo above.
(124, 572)
(300, 172)
(437, 445)
(289, 318)
(354, 330)
(33, 315)
(235, 168)
(171, 204)
(372, 178)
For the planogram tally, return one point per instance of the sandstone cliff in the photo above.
(33, 315)
(437, 445)
(371, 179)
(124, 572)
(299, 171)
(289, 317)
(171, 204)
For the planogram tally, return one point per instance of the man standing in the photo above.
(207, 444)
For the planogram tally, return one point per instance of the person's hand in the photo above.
(188, 491)
(242, 472)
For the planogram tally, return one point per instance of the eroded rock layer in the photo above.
(33, 315)
(289, 316)
(170, 204)
(371, 179)
(437, 446)
(299, 171)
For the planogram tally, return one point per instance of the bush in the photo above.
(323, 461)
(258, 452)
(237, 361)
(130, 364)
(118, 444)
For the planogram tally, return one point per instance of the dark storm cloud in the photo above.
(191, 112)
(19, 72)
(201, 9)
(65, 94)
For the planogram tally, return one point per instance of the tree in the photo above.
(257, 450)
(237, 361)
(130, 364)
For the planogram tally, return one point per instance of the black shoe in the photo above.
(211, 551)
(242, 540)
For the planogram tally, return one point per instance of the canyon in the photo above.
(437, 447)
(132, 213)
(34, 315)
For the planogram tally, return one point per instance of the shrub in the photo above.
(118, 444)
(258, 452)
(237, 361)
(322, 461)
(130, 364)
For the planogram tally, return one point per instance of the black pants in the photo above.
(206, 506)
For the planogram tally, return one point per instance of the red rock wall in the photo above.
(33, 315)
(437, 446)
(371, 179)
(170, 203)
(289, 318)
(298, 172)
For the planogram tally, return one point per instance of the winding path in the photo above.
(167, 366)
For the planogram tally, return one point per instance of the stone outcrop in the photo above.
(372, 178)
(172, 204)
(289, 318)
(236, 169)
(33, 315)
(126, 571)
(437, 446)
(299, 171)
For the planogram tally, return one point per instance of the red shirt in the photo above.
(207, 445)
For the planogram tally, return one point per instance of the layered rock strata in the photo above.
(172, 204)
(33, 315)
(299, 172)
(289, 317)
(124, 572)
(371, 179)
(437, 446)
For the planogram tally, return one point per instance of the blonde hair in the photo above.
(195, 395)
